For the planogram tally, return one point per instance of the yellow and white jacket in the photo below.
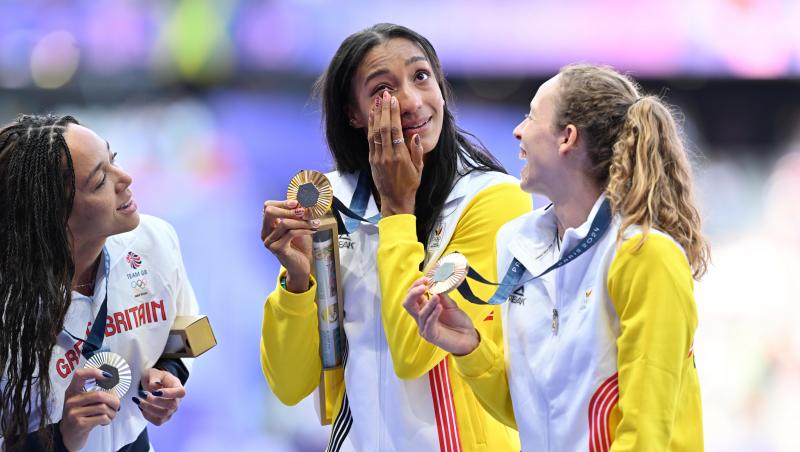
(615, 369)
(427, 407)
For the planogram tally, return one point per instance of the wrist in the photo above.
(398, 208)
(472, 344)
(296, 283)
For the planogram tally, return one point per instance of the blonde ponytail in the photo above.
(650, 180)
(635, 151)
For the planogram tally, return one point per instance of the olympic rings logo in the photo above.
(138, 284)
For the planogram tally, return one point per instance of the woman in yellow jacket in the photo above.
(398, 153)
(599, 333)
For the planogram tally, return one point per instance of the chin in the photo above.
(131, 224)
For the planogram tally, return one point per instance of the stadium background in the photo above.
(208, 104)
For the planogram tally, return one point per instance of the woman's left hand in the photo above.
(161, 395)
(396, 165)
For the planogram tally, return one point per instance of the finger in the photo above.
(426, 311)
(283, 225)
(376, 128)
(425, 281)
(398, 142)
(413, 300)
(279, 209)
(178, 392)
(432, 322)
(370, 134)
(282, 245)
(94, 398)
(165, 380)
(447, 302)
(90, 422)
(156, 408)
(416, 151)
(81, 376)
(96, 409)
(386, 124)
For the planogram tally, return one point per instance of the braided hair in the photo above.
(37, 189)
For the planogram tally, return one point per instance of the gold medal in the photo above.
(448, 273)
(312, 191)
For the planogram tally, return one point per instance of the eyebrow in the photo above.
(380, 72)
(96, 168)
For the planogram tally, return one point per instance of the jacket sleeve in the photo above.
(399, 259)
(651, 288)
(290, 343)
(484, 370)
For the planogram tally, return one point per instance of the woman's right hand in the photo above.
(440, 321)
(84, 411)
(287, 234)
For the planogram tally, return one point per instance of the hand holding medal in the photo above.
(84, 410)
(287, 225)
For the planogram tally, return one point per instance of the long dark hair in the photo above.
(36, 270)
(349, 145)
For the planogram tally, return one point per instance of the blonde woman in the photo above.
(598, 351)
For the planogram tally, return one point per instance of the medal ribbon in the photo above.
(94, 342)
(511, 280)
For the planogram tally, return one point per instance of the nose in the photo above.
(409, 99)
(124, 180)
(518, 130)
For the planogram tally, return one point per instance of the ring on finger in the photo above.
(379, 143)
(398, 140)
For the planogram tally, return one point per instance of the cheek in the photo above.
(87, 214)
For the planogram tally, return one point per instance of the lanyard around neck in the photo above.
(349, 219)
(94, 342)
(511, 280)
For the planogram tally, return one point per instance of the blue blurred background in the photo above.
(208, 104)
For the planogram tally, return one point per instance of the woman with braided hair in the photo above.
(71, 241)
(599, 332)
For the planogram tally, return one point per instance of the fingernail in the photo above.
(119, 409)
(314, 223)
(143, 394)
(377, 101)
(386, 95)
(292, 203)
(157, 393)
(136, 400)
(298, 212)
(394, 101)
(107, 375)
(416, 140)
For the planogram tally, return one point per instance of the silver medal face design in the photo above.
(448, 273)
(120, 380)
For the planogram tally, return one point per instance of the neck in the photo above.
(572, 208)
(87, 258)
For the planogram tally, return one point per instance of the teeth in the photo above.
(417, 125)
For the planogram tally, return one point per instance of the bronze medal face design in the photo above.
(448, 273)
(120, 380)
(313, 191)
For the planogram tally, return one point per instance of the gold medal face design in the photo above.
(448, 273)
(120, 380)
(312, 191)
